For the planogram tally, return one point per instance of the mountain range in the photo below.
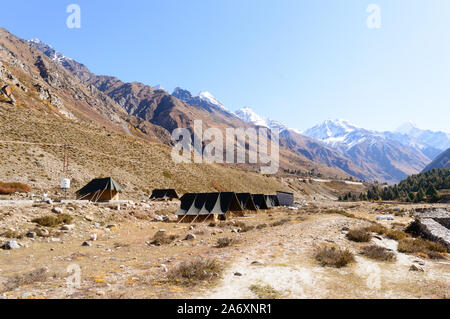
(334, 148)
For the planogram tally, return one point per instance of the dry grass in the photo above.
(52, 221)
(359, 235)
(11, 188)
(280, 222)
(225, 242)
(420, 246)
(378, 253)
(334, 256)
(265, 292)
(12, 234)
(38, 275)
(389, 233)
(162, 238)
(195, 271)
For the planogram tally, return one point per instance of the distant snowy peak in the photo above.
(248, 115)
(342, 134)
(332, 129)
(209, 98)
(407, 128)
(159, 87)
(49, 51)
(204, 99)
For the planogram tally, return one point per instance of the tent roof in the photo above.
(260, 201)
(100, 184)
(246, 201)
(208, 203)
(164, 194)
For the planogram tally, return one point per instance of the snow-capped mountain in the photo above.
(248, 115)
(159, 87)
(383, 157)
(205, 100)
(431, 143)
(49, 51)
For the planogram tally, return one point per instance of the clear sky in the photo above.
(297, 61)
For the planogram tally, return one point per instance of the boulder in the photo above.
(57, 210)
(190, 237)
(11, 244)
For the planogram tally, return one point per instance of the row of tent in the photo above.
(209, 206)
(192, 204)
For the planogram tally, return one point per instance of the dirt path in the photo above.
(286, 264)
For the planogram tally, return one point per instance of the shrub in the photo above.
(261, 226)
(161, 238)
(38, 275)
(418, 245)
(378, 253)
(395, 234)
(225, 242)
(194, 271)
(52, 221)
(280, 222)
(359, 235)
(11, 188)
(334, 256)
(167, 175)
(244, 227)
(12, 234)
(265, 292)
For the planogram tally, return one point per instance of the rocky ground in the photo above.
(112, 253)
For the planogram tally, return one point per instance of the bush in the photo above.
(334, 257)
(52, 221)
(225, 242)
(161, 238)
(389, 233)
(261, 226)
(280, 222)
(265, 292)
(244, 227)
(418, 245)
(359, 235)
(12, 234)
(11, 188)
(378, 253)
(194, 271)
(38, 275)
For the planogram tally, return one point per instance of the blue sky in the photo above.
(297, 61)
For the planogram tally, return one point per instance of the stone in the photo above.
(238, 274)
(31, 234)
(415, 268)
(11, 244)
(67, 227)
(43, 232)
(57, 210)
(86, 244)
(164, 268)
(190, 237)
(89, 218)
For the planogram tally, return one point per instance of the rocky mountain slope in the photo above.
(180, 109)
(441, 161)
(382, 158)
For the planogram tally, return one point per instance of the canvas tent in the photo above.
(260, 201)
(164, 194)
(246, 201)
(207, 206)
(272, 201)
(285, 199)
(100, 190)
